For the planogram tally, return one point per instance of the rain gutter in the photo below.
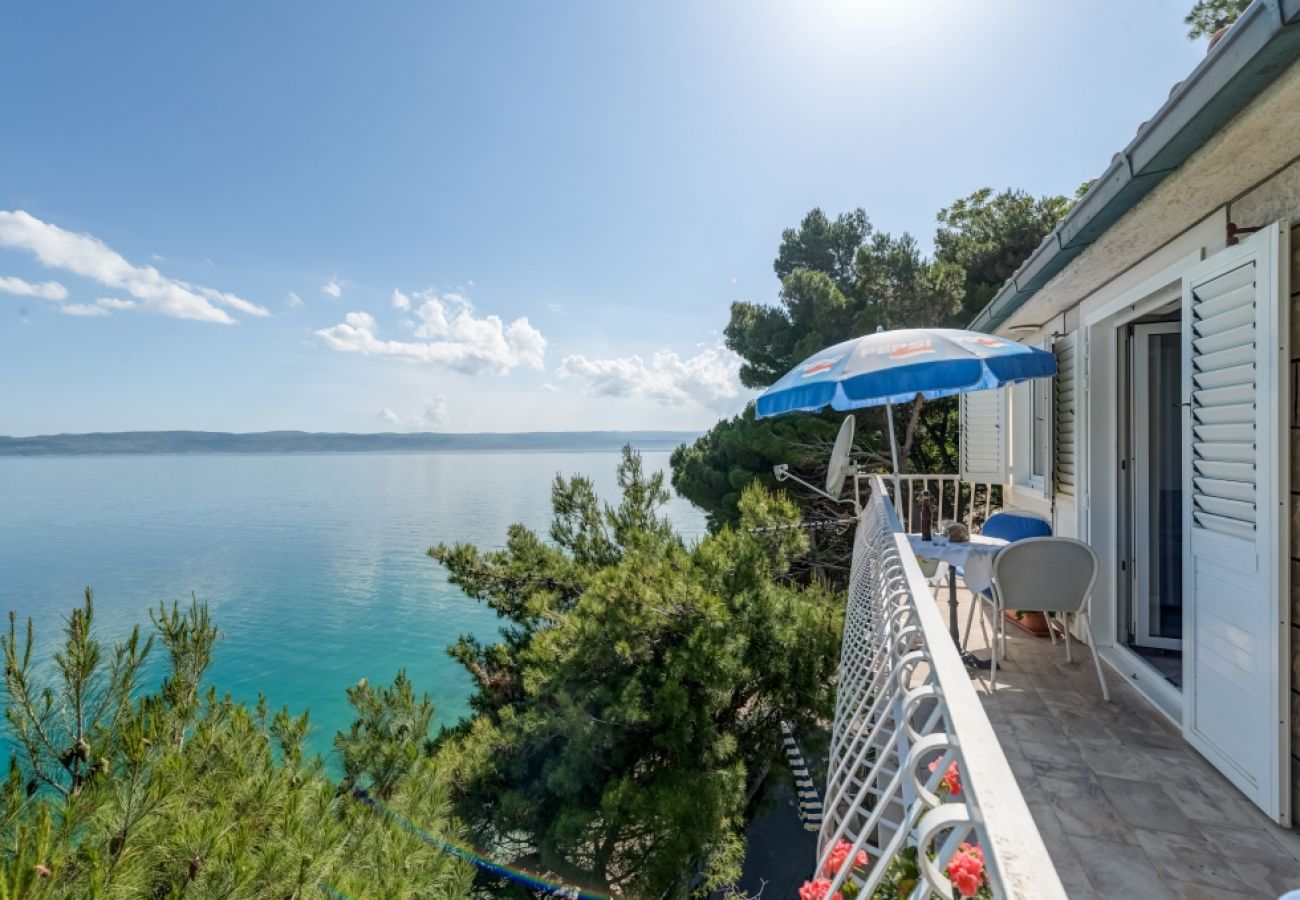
(1263, 44)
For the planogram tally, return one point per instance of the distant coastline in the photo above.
(182, 442)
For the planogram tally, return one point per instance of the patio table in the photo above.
(975, 557)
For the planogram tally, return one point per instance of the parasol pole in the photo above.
(893, 452)
(893, 449)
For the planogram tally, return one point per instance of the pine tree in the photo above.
(635, 693)
(120, 791)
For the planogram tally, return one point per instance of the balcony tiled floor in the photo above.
(1126, 807)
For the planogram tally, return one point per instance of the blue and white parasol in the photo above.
(894, 366)
(891, 367)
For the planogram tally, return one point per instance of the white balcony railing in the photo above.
(906, 701)
(952, 498)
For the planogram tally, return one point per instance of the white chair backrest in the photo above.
(1048, 574)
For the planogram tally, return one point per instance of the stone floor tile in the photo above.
(1045, 729)
(1121, 715)
(1083, 809)
(1114, 760)
(1096, 773)
(1076, 884)
(1084, 725)
(1265, 879)
(1262, 845)
(1010, 743)
(1057, 760)
(1204, 809)
(1022, 768)
(1289, 838)
(1187, 890)
(1144, 804)
(1053, 678)
(1016, 700)
(1189, 858)
(1184, 766)
(1150, 736)
(1054, 836)
(1120, 870)
(1066, 699)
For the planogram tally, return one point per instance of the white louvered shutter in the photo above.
(984, 437)
(1063, 431)
(1235, 483)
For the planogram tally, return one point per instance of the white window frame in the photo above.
(1040, 439)
(1023, 478)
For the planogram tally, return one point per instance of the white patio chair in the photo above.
(1048, 575)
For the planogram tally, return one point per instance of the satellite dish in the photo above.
(840, 466)
(839, 469)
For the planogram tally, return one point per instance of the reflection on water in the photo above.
(314, 566)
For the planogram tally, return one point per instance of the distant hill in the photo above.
(128, 442)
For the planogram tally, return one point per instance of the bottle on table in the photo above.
(927, 517)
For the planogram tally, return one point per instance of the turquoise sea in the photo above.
(314, 566)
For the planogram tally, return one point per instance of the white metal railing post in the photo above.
(943, 482)
(904, 703)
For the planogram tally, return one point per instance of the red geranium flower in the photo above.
(951, 778)
(839, 853)
(818, 889)
(966, 870)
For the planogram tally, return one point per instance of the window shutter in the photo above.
(1223, 402)
(984, 437)
(1236, 491)
(1063, 456)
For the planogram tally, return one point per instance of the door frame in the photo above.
(1097, 466)
(1139, 484)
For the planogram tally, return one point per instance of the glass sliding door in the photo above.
(1157, 486)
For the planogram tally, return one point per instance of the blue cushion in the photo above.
(1014, 526)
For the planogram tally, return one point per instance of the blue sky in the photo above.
(208, 208)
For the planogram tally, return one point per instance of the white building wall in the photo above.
(1248, 174)
(1091, 514)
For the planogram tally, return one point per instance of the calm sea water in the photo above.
(314, 567)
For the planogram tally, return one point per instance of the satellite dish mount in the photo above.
(840, 468)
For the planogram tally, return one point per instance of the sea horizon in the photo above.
(195, 442)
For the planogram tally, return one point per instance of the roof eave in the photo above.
(1263, 44)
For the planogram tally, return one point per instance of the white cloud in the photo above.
(400, 300)
(549, 387)
(332, 288)
(86, 255)
(227, 299)
(556, 308)
(82, 309)
(434, 415)
(46, 290)
(293, 301)
(449, 334)
(115, 303)
(710, 378)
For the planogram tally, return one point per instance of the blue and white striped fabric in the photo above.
(810, 804)
(895, 366)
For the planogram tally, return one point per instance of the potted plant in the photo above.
(1031, 621)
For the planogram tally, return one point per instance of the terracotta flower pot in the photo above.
(1033, 622)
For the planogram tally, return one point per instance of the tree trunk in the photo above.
(909, 436)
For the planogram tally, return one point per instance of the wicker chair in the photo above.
(1048, 575)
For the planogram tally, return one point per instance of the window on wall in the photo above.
(1039, 451)
(1032, 434)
